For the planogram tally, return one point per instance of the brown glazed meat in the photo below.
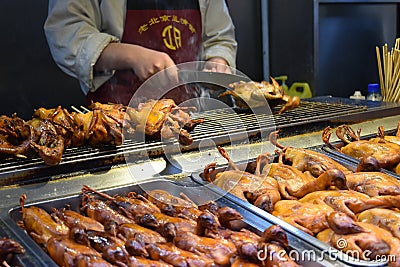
(163, 119)
(39, 224)
(255, 94)
(104, 236)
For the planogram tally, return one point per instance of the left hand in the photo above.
(217, 64)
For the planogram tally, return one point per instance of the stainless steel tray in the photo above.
(341, 258)
(253, 221)
(27, 259)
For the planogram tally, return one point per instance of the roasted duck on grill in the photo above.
(256, 94)
(50, 131)
(164, 119)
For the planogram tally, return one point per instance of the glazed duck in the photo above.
(391, 138)
(308, 217)
(385, 218)
(255, 94)
(373, 183)
(163, 118)
(386, 153)
(294, 184)
(360, 237)
(306, 160)
(260, 190)
(351, 202)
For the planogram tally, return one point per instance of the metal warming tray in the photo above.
(249, 166)
(254, 222)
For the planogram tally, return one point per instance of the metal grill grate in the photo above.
(77, 159)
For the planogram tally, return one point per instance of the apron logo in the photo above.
(172, 37)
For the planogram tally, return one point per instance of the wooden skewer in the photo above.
(77, 110)
(389, 74)
(378, 58)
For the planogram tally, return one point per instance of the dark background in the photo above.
(29, 78)
(329, 44)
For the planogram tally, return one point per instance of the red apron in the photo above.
(170, 26)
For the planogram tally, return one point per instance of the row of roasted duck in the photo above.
(322, 197)
(50, 131)
(156, 229)
(384, 149)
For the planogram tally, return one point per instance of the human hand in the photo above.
(146, 62)
(143, 61)
(217, 64)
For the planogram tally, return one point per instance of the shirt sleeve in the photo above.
(218, 32)
(72, 29)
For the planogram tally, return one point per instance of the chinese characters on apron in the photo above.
(170, 26)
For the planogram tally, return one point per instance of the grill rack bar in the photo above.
(219, 124)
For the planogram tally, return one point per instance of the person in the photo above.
(113, 46)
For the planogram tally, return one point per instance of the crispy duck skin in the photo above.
(260, 190)
(74, 219)
(132, 205)
(173, 206)
(306, 160)
(373, 183)
(163, 119)
(101, 211)
(178, 257)
(386, 153)
(110, 247)
(52, 130)
(145, 235)
(213, 240)
(384, 218)
(221, 251)
(39, 224)
(308, 217)
(66, 252)
(255, 94)
(359, 237)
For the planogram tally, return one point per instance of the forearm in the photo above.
(219, 33)
(116, 56)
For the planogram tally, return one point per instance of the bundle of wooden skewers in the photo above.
(389, 72)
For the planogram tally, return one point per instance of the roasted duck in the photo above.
(384, 218)
(391, 138)
(39, 224)
(217, 237)
(373, 183)
(385, 152)
(164, 119)
(260, 190)
(309, 217)
(358, 237)
(256, 94)
(52, 130)
(306, 160)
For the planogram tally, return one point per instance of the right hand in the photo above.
(143, 61)
(147, 62)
